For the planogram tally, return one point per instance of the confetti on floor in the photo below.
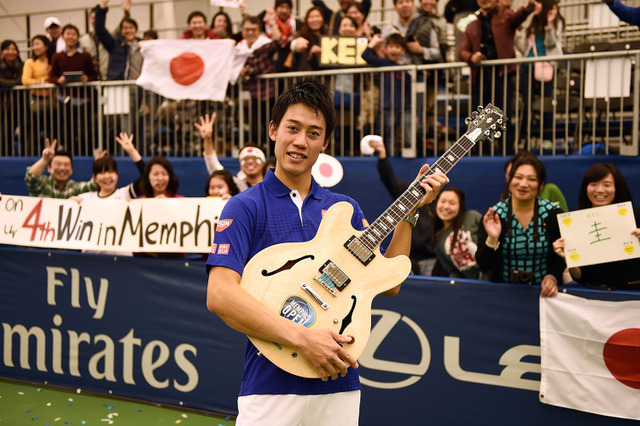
(27, 404)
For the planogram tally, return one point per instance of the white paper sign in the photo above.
(182, 225)
(599, 235)
(226, 3)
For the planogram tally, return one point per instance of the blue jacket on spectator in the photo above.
(628, 14)
(117, 46)
(393, 90)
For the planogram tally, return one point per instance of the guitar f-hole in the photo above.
(349, 317)
(290, 264)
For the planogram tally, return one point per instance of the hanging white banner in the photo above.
(184, 225)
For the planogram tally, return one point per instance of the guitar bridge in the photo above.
(332, 277)
(359, 250)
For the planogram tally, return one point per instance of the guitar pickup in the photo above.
(332, 277)
(359, 250)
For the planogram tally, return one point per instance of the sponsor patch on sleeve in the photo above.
(214, 246)
(365, 223)
(223, 249)
(223, 224)
(323, 211)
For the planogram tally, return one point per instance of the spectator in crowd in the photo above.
(10, 75)
(550, 191)
(280, 16)
(105, 174)
(159, 180)
(42, 106)
(427, 35)
(333, 18)
(460, 13)
(491, 36)
(60, 167)
(504, 4)
(306, 44)
(356, 11)
(221, 184)
(221, 25)
(515, 243)
(456, 235)
(426, 43)
(198, 29)
(74, 64)
(628, 14)
(90, 43)
(423, 257)
(125, 59)
(261, 50)
(275, 213)
(150, 35)
(346, 91)
(251, 158)
(543, 37)
(405, 11)
(53, 28)
(396, 99)
(602, 185)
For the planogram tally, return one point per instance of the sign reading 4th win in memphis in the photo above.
(185, 225)
(599, 235)
(342, 51)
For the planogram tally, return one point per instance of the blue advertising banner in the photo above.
(441, 352)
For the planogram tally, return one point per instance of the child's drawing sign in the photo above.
(599, 235)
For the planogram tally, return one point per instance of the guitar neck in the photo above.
(373, 236)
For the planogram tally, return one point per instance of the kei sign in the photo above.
(342, 51)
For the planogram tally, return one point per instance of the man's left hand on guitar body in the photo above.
(432, 184)
(323, 350)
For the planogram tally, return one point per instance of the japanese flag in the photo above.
(187, 69)
(590, 355)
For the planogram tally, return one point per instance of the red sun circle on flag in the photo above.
(325, 169)
(621, 353)
(186, 68)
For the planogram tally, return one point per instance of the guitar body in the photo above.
(278, 276)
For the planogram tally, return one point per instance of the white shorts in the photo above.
(332, 409)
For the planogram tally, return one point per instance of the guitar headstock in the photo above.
(485, 122)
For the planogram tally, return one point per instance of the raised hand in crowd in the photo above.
(99, 154)
(205, 127)
(492, 224)
(126, 142)
(47, 155)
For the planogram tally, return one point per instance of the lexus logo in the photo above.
(388, 320)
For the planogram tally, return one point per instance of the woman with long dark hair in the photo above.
(305, 46)
(456, 234)
(603, 184)
(516, 242)
(10, 75)
(159, 179)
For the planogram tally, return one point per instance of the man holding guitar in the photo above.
(288, 207)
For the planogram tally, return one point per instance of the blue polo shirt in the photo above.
(260, 217)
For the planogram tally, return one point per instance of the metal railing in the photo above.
(591, 105)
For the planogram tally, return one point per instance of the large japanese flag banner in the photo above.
(590, 355)
(187, 69)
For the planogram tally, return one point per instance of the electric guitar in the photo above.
(330, 281)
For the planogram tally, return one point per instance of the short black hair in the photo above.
(397, 39)
(71, 26)
(281, 2)
(309, 92)
(194, 14)
(129, 21)
(225, 175)
(252, 19)
(151, 34)
(63, 153)
(44, 40)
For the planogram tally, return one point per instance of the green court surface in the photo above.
(28, 404)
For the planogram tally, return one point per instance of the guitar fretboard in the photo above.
(373, 236)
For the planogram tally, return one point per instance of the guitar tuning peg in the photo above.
(467, 121)
(497, 134)
(504, 128)
(474, 114)
(480, 108)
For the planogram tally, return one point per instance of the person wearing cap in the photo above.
(251, 157)
(54, 34)
(288, 207)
